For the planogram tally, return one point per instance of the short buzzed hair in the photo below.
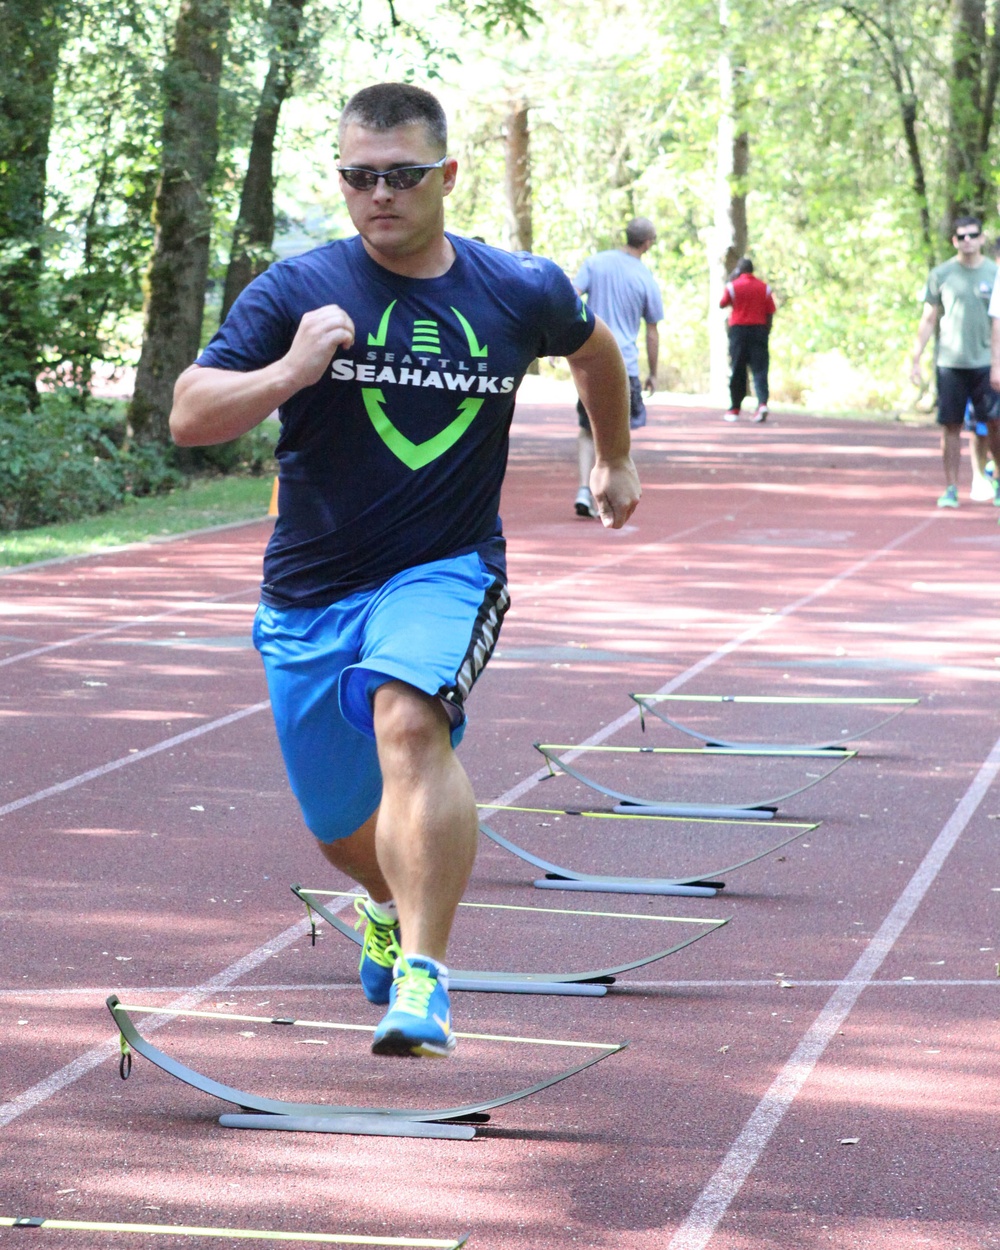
(638, 231)
(387, 105)
(967, 220)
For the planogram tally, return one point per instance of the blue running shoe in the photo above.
(418, 1022)
(379, 948)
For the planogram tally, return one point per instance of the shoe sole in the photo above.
(395, 1043)
(583, 510)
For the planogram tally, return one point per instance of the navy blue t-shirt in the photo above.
(395, 457)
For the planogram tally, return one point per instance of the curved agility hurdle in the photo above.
(592, 983)
(752, 809)
(454, 1123)
(651, 702)
(701, 884)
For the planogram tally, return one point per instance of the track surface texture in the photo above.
(821, 1071)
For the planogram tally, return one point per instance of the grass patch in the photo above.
(204, 502)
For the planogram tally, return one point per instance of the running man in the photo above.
(393, 357)
(957, 299)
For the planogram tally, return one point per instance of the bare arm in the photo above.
(216, 405)
(602, 383)
(924, 331)
(652, 354)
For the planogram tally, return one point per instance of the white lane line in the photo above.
(80, 1066)
(758, 627)
(122, 625)
(113, 765)
(715, 1199)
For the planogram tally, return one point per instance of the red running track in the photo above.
(820, 1072)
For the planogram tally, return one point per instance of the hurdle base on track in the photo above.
(356, 1125)
(577, 989)
(707, 811)
(779, 748)
(598, 885)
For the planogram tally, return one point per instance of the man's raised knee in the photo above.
(407, 719)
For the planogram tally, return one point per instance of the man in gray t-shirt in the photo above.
(622, 292)
(956, 302)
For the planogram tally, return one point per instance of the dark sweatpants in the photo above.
(748, 350)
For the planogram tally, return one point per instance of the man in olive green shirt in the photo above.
(956, 299)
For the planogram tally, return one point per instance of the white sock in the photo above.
(387, 913)
(441, 970)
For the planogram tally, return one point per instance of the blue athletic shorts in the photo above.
(433, 626)
(971, 424)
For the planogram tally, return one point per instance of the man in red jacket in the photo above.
(752, 307)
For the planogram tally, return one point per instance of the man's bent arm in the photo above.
(602, 383)
(216, 405)
(652, 353)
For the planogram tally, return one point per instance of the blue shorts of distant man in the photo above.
(393, 358)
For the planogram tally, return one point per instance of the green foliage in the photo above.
(61, 461)
(624, 99)
(198, 503)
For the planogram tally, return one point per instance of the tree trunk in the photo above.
(517, 182)
(182, 213)
(908, 111)
(30, 36)
(891, 50)
(729, 236)
(991, 81)
(253, 235)
(964, 158)
(517, 177)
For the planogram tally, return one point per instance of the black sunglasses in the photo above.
(402, 179)
(973, 234)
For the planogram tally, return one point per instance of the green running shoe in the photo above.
(418, 1022)
(379, 949)
(950, 498)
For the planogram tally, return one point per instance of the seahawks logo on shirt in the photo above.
(411, 368)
